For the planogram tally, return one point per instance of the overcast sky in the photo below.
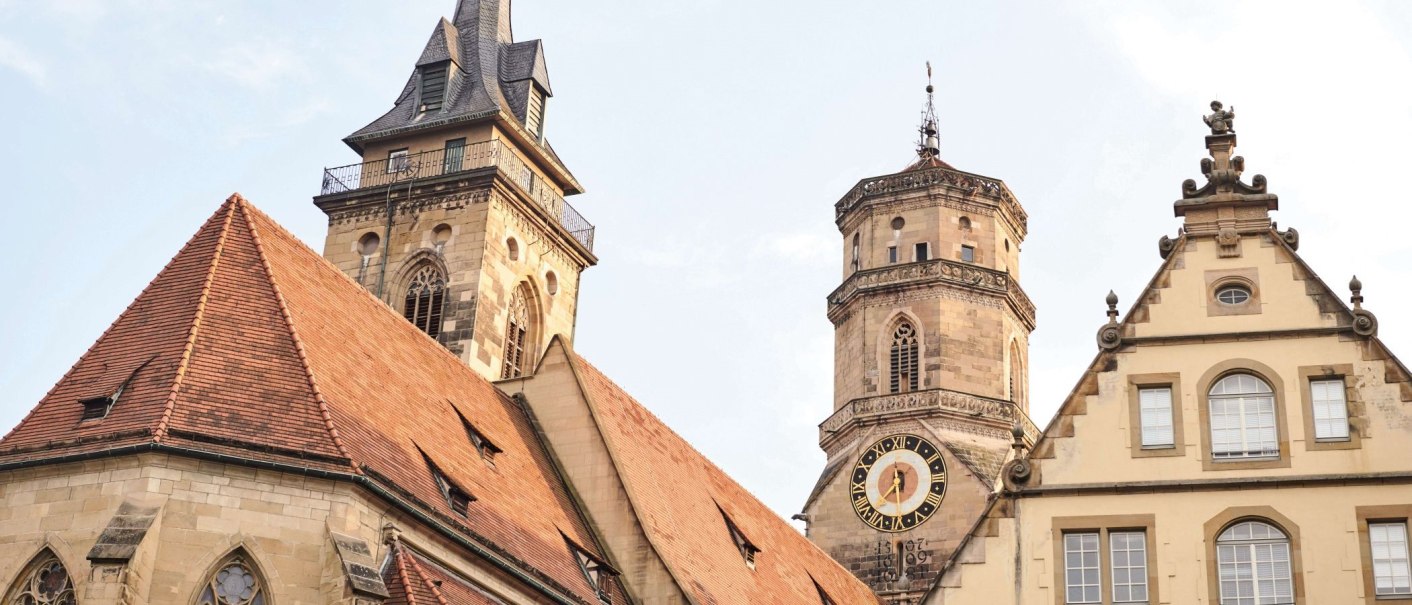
(713, 138)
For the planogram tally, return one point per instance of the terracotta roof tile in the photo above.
(680, 496)
(264, 350)
(414, 580)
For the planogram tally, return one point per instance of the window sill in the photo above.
(1344, 440)
(1149, 448)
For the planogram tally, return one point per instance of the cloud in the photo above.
(805, 248)
(17, 58)
(257, 66)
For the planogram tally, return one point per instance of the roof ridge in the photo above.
(426, 581)
(126, 311)
(162, 424)
(398, 556)
(244, 206)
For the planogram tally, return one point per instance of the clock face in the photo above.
(898, 483)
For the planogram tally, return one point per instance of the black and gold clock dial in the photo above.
(898, 483)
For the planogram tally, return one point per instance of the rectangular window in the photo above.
(855, 251)
(1156, 413)
(1081, 571)
(892, 255)
(1128, 550)
(1392, 575)
(922, 251)
(1330, 410)
(397, 160)
(1244, 427)
(453, 157)
(968, 254)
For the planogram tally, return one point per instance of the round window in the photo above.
(1232, 295)
(898, 223)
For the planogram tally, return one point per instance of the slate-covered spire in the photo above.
(487, 75)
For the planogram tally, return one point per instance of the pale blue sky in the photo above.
(713, 138)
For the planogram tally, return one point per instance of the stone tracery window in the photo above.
(517, 327)
(903, 358)
(44, 582)
(234, 583)
(426, 295)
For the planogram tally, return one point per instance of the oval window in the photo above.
(1233, 295)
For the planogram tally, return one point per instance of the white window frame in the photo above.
(921, 251)
(892, 255)
(968, 254)
(1155, 414)
(398, 160)
(1131, 558)
(1244, 415)
(1392, 572)
(1330, 409)
(1077, 545)
(1240, 562)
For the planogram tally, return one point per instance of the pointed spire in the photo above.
(928, 146)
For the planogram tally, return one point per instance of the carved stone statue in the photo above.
(1220, 120)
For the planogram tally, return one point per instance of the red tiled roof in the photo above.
(679, 497)
(261, 349)
(411, 580)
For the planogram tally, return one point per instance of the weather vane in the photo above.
(927, 144)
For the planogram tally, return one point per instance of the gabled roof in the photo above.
(485, 76)
(413, 580)
(679, 497)
(257, 348)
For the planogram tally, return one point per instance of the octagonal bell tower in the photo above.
(931, 340)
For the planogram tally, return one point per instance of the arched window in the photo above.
(1017, 376)
(856, 242)
(234, 583)
(1243, 418)
(1253, 565)
(902, 358)
(425, 297)
(44, 581)
(517, 328)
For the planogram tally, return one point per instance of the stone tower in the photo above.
(931, 337)
(456, 217)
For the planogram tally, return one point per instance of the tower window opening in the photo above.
(964, 223)
(891, 255)
(397, 161)
(534, 113)
(425, 297)
(433, 87)
(922, 251)
(516, 334)
(968, 254)
(512, 248)
(453, 156)
(903, 359)
(855, 251)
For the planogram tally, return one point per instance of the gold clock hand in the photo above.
(883, 499)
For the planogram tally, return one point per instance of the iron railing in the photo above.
(451, 160)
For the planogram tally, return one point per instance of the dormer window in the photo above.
(823, 596)
(95, 408)
(433, 86)
(455, 497)
(747, 549)
(534, 114)
(594, 570)
(487, 449)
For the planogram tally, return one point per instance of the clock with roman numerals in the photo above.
(898, 483)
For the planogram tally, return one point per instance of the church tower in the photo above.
(455, 216)
(931, 337)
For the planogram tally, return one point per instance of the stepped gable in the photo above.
(679, 497)
(249, 345)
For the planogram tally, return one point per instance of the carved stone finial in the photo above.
(1112, 300)
(1017, 433)
(1221, 121)
(1109, 336)
(1364, 322)
(1356, 285)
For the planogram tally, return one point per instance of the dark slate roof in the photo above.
(489, 73)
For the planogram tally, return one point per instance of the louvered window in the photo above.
(516, 334)
(1156, 416)
(902, 359)
(747, 549)
(1243, 418)
(487, 449)
(534, 114)
(426, 296)
(433, 86)
(456, 498)
(595, 571)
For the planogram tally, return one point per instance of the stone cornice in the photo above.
(997, 414)
(1226, 483)
(979, 188)
(937, 271)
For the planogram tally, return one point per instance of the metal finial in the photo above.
(928, 146)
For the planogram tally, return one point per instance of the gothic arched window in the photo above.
(234, 583)
(44, 582)
(902, 358)
(425, 297)
(517, 328)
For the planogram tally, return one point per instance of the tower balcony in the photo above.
(926, 273)
(991, 417)
(416, 168)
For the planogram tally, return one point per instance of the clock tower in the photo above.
(931, 334)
